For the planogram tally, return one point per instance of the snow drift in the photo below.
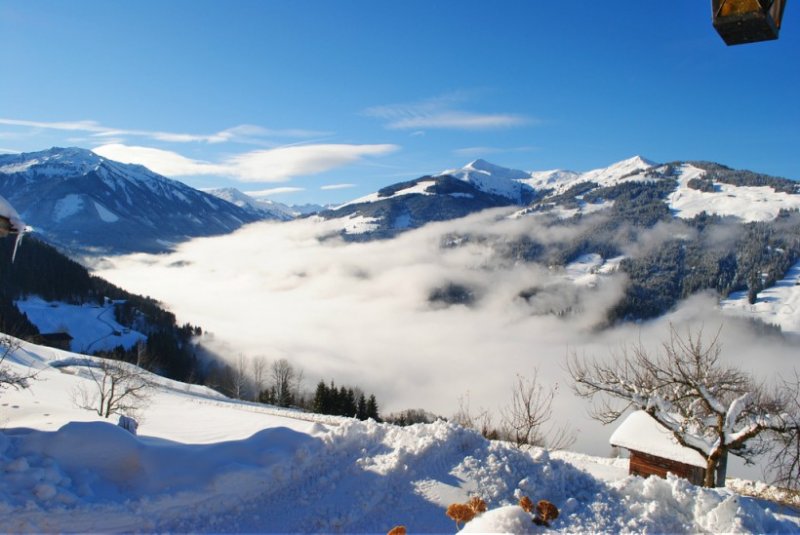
(203, 463)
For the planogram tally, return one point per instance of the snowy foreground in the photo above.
(203, 463)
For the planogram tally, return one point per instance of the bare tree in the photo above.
(784, 465)
(284, 382)
(238, 378)
(710, 407)
(9, 378)
(480, 421)
(259, 368)
(144, 359)
(119, 388)
(526, 420)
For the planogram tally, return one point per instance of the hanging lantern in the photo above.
(747, 21)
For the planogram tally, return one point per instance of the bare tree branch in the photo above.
(8, 378)
(710, 407)
(119, 388)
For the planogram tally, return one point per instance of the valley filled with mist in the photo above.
(429, 320)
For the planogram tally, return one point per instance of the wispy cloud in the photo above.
(244, 132)
(337, 186)
(271, 165)
(274, 191)
(161, 161)
(442, 113)
(275, 165)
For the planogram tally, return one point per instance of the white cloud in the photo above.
(83, 126)
(458, 120)
(161, 161)
(244, 132)
(442, 113)
(274, 191)
(276, 165)
(270, 165)
(337, 186)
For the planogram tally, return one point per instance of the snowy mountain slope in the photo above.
(92, 327)
(561, 180)
(259, 208)
(411, 204)
(693, 189)
(79, 200)
(491, 178)
(777, 305)
(202, 463)
(748, 203)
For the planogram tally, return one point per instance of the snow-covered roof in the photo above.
(7, 211)
(640, 432)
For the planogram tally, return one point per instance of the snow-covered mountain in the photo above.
(415, 203)
(201, 462)
(687, 187)
(495, 180)
(84, 202)
(264, 209)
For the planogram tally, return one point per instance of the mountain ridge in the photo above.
(89, 204)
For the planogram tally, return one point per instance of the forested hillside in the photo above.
(41, 270)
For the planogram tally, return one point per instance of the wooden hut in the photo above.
(59, 340)
(654, 451)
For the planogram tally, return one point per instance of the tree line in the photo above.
(39, 269)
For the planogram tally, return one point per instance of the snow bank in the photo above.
(357, 477)
(195, 467)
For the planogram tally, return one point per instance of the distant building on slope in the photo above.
(59, 340)
(654, 451)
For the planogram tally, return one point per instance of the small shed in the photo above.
(655, 451)
(59, 340)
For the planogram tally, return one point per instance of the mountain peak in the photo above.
(81, 160)
(491, 178)
(483, 166)
(637, 160)
(68, 155)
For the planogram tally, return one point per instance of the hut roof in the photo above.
(640, 432)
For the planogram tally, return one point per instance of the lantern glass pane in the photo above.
(738, 7)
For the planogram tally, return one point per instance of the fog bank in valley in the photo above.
(360, 313)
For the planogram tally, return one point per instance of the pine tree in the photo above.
(322, 402)
(372, 408)
(361, 410)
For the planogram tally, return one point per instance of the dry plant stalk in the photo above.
(477, 504)
(546, 512)
(526, 504)
(460, 513)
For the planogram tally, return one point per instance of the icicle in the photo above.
(17, 241)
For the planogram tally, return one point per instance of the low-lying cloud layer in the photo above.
(359, 313)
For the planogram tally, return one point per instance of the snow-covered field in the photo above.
(745, 202)
(92, 327)
(777, 305)
(203, 463)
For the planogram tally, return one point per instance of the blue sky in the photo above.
(329, 100)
